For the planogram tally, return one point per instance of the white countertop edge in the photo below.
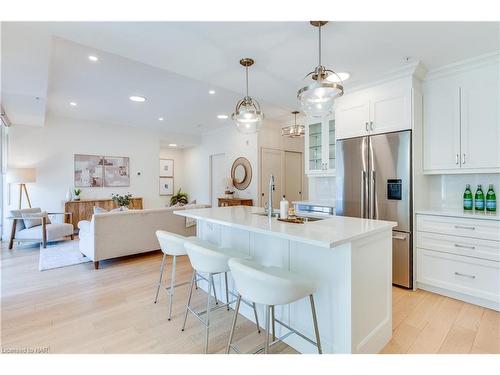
(287, 236)
(450, 212)
(317, 202)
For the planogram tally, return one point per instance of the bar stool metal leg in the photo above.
(266, 342)
(171, 291)
(227, 290)
(161, 274)
(273, 327)
(256, 317)
(209, 295)
(233, 325)
(213, 287)
(315, 321)
(189, 299)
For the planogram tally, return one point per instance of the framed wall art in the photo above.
(166, 185)
(166, 168)
(116, 171)
(88, 171)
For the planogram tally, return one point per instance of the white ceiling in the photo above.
(174, 64)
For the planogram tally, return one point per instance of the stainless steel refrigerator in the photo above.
(374, 181)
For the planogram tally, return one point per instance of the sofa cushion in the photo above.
(100, 210)
(30, 222)
(18, 213)
(54, 232)
(84, 225)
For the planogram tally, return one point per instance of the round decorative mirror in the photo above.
(241, 173)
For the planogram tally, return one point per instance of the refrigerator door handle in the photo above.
(373, 208)
(363, 184)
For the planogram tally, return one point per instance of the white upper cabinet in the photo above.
(320, 147)
(352, 113)
(480, 123)
(379, 109)
(442, 139)
(461, 120)
(390, 107)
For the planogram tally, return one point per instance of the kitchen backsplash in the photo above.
(321, 188)
(446, 191)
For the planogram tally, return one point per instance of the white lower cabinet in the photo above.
(457, 261)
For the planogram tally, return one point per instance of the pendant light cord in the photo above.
(246, 70)
(319, 42)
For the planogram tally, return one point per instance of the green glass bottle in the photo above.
(491, 200)
(468, 198)
(479, 199)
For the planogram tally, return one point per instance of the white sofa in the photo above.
(115, 234)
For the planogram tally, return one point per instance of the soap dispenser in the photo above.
(284, 208)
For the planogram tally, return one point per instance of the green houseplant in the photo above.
(77, 193)
(122, 200)
(179, 197)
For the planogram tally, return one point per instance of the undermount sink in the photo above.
(306, 218)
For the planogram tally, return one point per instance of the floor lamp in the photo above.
(22, 176)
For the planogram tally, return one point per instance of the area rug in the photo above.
(60, 254)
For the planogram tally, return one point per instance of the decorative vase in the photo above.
(77, 197)
(69, 196)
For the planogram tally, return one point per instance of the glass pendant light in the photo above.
(293, 130)
(318, 92)
(247, 115)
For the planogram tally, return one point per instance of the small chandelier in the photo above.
(293, 130)
(247, 114)
(316, 96)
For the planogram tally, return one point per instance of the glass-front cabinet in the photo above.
(320, 147)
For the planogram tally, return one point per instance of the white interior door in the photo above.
(293, 176)
(217, 175)
(272, 162)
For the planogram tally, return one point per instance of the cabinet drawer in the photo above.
(475, 277)
(475, 228)
(473, 247)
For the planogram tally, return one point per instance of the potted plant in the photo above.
(123, 201)
(179, 198)
(77, 193)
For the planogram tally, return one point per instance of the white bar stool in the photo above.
(270, 286)
(171, 244)
(211, 260)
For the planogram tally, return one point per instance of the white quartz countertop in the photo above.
(457, 212)
(329, 233)
(318, 202)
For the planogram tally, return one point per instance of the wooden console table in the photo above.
(84, 209)
(225, 202)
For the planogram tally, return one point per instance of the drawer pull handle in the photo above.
(465, 275)
(399, 238)
(464, 227)
(465, 246)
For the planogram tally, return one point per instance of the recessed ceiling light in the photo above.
(160, 118)
(222, 117)
(343, 76)
(136, 98)
(211, 92)
(73, 104)
(93, 58)
(172, 144)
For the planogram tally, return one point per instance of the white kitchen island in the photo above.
(350, 259)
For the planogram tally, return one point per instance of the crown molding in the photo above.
(460, 66)
(411, 70)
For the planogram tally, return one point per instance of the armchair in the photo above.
(42, 233)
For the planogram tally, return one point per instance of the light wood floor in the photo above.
(79, 310)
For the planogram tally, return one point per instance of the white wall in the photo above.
(269, 136)
(179, 170)
(447, 191)
(197, 161)
(50, 149)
